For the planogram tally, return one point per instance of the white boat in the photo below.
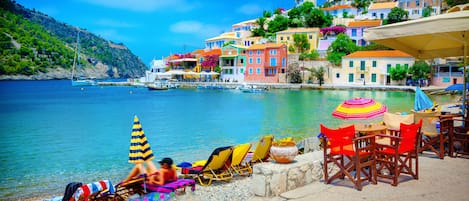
(250, 88)
(78, 81)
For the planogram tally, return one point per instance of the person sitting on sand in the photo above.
(165, 175)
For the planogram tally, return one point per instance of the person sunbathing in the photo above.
(154, 176)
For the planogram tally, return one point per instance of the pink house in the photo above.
(265, 63)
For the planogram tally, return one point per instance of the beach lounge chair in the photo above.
(216, 167)
(400, 156)
(176, 186)
(349, 154)
(124, 190)
(238, 163)
(94, 191)
(261, 153)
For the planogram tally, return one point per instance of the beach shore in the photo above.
(438, 180)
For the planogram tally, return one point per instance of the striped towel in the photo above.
(172, 186)
(91, 188)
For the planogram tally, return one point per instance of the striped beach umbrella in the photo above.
(140, 150)
(359, 108)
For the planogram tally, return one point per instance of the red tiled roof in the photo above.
(338, 7)
(377, 53)
(365, 23)
(263, 46)
(212, 52)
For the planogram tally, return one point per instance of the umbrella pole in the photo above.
(464, 87)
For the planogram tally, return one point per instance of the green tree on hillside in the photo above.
(279, 23)
(398, 73)
(301, 43)
(318, 74)
(316, 18)
(420, 70)
(427, 11)
(397, 15)
(342, 46)
(361, 5)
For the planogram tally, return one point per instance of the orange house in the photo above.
(265, 63)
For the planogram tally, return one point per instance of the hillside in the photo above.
(34, 45)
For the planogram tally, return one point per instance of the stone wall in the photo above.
(271, 179)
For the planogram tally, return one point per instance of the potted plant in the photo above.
(283, 150)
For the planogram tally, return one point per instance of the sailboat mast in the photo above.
(75, 56)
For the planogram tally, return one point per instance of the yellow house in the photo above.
(369, 67)
(286, 37)
(218, 41)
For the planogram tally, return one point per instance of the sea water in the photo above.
(53, 134)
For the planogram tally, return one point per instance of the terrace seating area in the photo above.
(361, 153)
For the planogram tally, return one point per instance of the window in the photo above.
(273, 61)
(258, 60)
(373, 77)
(350, 64)
(250, 60)
(362, 65)
(398, 65)
(417, 3)
(241, 70)
(273, 52)
(354, 32)
(310, 36)
(281, 38)
(241, 61)
(337, 75)
(388, 68)
(284, 62)
(350, 77)
(258, 71)
(288, 37)
(250, 52)
(362, 76)
(250, 71)
(406, 66)
(374, 63)
(258, 52)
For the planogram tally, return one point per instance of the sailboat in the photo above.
(77, 81)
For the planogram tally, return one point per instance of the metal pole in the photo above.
(464, 84)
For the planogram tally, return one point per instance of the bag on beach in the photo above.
(70, 190)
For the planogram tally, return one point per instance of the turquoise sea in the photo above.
(53, 133)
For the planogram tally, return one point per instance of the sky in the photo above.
(153, 29)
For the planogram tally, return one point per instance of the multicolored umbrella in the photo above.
(140, 150)
(359, 108)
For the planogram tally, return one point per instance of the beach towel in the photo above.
(172, 186)
(154, 196)
(70, 189)
(91, 188)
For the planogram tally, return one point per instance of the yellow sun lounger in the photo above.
(214, 169)
(261, 153)
(238, 163)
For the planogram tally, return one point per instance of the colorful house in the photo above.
(370, 67)
(338, 11)
(286, 36)
(233, 63)
(355, 30)
(204, 55)
(266, 63)
(416, 7)
(380, 10)
(219, 41)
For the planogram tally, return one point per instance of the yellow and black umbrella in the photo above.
(140, 150)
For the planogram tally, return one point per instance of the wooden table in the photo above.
(374, 128)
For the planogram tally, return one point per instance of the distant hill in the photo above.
(34, 45)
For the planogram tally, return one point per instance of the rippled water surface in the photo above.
(53, 133)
